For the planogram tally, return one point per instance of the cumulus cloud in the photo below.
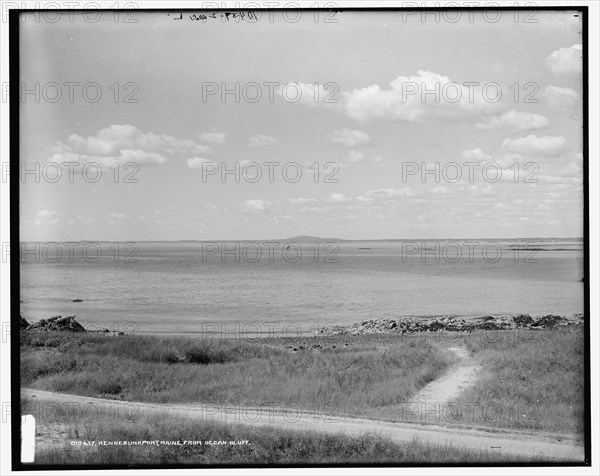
(256, 205)
(123, 144)
(515, 120)
(350, 138)
(565, 61)
(508, 160)
(534, 145)
(314, 94)
(355, 156)
(47, 214)
(47, 217)
(441, 190)
(390, 193)
(195, 162)
(213, 136)
(338, 198)
(116, 218)
(301, 200)
(426, 96)
(561, 99)
(474, 154)
(258, 140)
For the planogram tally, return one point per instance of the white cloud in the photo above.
(426, 96)
(508, 160)
(46, 217)
(259, 140)
(123, 144)
(313, 94)
(256, 205)
(390, 193)
(558, 179)
(47, 214)
(213, 136)
(534, 145)
(350, 138)
(116, 218)
(474, 154)
(565, 61)
(515, 120)
(355, 156)
(440, 190)
(338, 198)
(561, 99)
(195, 162)
(301, 200)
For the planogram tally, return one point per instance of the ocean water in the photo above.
(192, 288)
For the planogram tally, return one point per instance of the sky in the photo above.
(341, 115)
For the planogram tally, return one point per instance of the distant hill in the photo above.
(312, 239)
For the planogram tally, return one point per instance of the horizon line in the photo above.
(311, 237)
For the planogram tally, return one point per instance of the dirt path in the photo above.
(546, 446)
(446, 388)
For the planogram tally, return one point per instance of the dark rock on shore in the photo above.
(453, 324)
(24, 324)
(57, 323)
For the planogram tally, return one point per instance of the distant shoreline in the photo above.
(308, 239)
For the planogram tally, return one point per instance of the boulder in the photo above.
(57, 323)
(549, 321)
(23, 323)
(523, 319)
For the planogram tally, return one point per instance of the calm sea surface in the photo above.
(178, 288)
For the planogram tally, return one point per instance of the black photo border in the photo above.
(14, 114)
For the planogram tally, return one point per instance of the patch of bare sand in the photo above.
(448, 387)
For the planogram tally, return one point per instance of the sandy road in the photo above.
(563, 448)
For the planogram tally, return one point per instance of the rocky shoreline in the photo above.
(382, 325)
(386, 325)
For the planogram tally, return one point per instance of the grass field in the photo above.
(535, 382)
(347, 380)
(532, 382)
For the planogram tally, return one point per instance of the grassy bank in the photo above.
(528, 381)
(533, 381)
(264, 445)
(351, 380)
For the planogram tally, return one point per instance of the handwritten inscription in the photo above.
(223, 16)
(252, 16)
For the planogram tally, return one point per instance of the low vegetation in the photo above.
(529, 381)
(353, 380)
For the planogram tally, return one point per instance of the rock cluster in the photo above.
(453, 324)
(57, 323)
(24, 324)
